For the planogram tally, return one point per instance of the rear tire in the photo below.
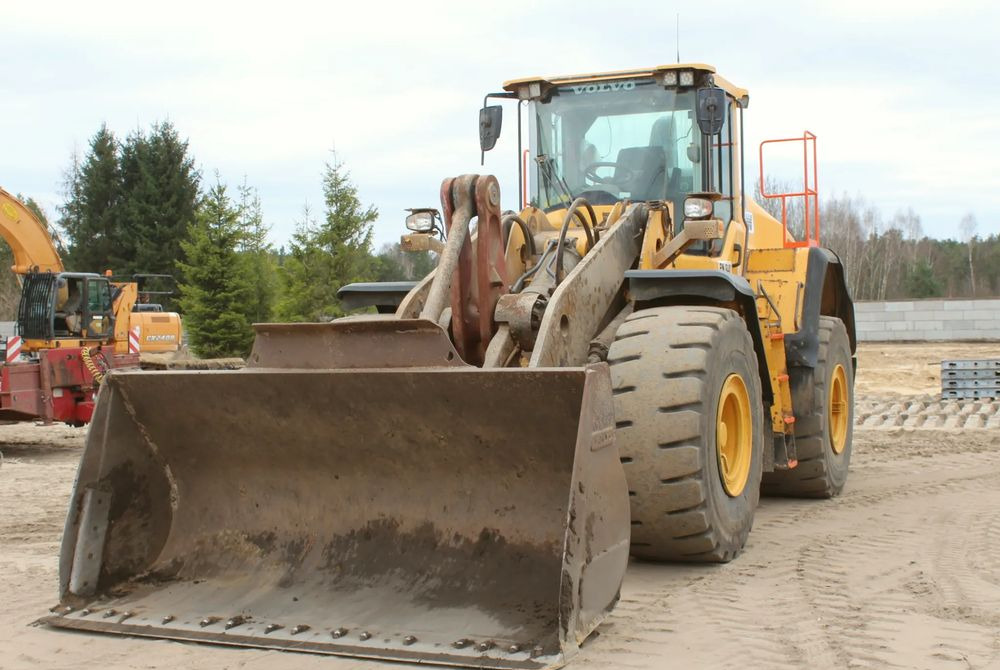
(822, 468)
(670, 367)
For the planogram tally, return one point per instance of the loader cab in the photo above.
(65, 306)
(630, 137)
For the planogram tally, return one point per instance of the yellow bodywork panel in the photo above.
(767, 233)
(659, 229)
(159, 331)
(778, 277)
(770, 260)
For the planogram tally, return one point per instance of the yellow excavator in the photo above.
(72, 327)
(616, 369)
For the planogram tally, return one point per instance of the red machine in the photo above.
(60, 385)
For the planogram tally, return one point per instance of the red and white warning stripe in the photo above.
(14, 343)
(133, 339)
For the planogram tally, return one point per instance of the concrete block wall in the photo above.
(928, 320)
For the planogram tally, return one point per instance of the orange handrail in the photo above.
(809, 194)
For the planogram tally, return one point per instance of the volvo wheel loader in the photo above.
(616, 369)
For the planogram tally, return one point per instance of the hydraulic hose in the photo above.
(589, 229)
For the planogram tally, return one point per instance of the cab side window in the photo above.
(98, 307)
(722, 148)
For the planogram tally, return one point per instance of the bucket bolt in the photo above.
(485, 645)
(110, 613)
(339, 633)
(126, 615)
(461, 644)
(365, 636)
(86, 612)
(409, 639)
(235, 621)
(270, 628)
(167, 619)
(301, 628)
(208, 621)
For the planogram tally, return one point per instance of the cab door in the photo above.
(98, 319)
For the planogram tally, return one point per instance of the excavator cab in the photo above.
(65, 306)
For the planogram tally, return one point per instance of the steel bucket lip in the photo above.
(577, 371)
(522, 660)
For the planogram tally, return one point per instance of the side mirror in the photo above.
(711, 110)
(490, 119)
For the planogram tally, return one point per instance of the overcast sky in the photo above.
(903, 95)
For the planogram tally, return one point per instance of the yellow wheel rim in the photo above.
(734, 435)
(838, 413)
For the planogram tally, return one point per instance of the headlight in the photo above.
(670, 78)
(697, 208)
(420, 222)
(687, 77)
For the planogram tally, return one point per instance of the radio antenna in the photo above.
(677, 35)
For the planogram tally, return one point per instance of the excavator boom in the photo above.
(30, 242)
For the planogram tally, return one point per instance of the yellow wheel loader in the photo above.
(461, 478)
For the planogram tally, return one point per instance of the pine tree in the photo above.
(921, 282)
(90, 215)
(394, 264)
(325, 256)
(259, 253)
(216, 285)
(159, 197)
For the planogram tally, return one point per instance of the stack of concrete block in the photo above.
(928, 320)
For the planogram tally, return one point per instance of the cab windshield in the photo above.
(611, 141)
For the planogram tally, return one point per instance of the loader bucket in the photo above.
(451, 515)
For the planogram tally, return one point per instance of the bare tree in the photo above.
(795, 206)
(967, 226)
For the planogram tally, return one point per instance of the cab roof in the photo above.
(522, 87)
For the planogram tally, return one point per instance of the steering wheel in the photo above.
(621, 176)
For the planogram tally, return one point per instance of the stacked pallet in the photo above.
(970, 379)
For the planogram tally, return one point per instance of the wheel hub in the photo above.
(838, 412)
(734, 435)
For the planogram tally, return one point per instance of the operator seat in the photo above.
(647, 167)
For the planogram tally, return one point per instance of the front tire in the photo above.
(690, 431)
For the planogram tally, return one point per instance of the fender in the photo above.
(825, 294)
(702, 287)
(383, 296)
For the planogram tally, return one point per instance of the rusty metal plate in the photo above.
(454, 516)
(354, 342)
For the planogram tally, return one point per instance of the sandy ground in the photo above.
(901, 571)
